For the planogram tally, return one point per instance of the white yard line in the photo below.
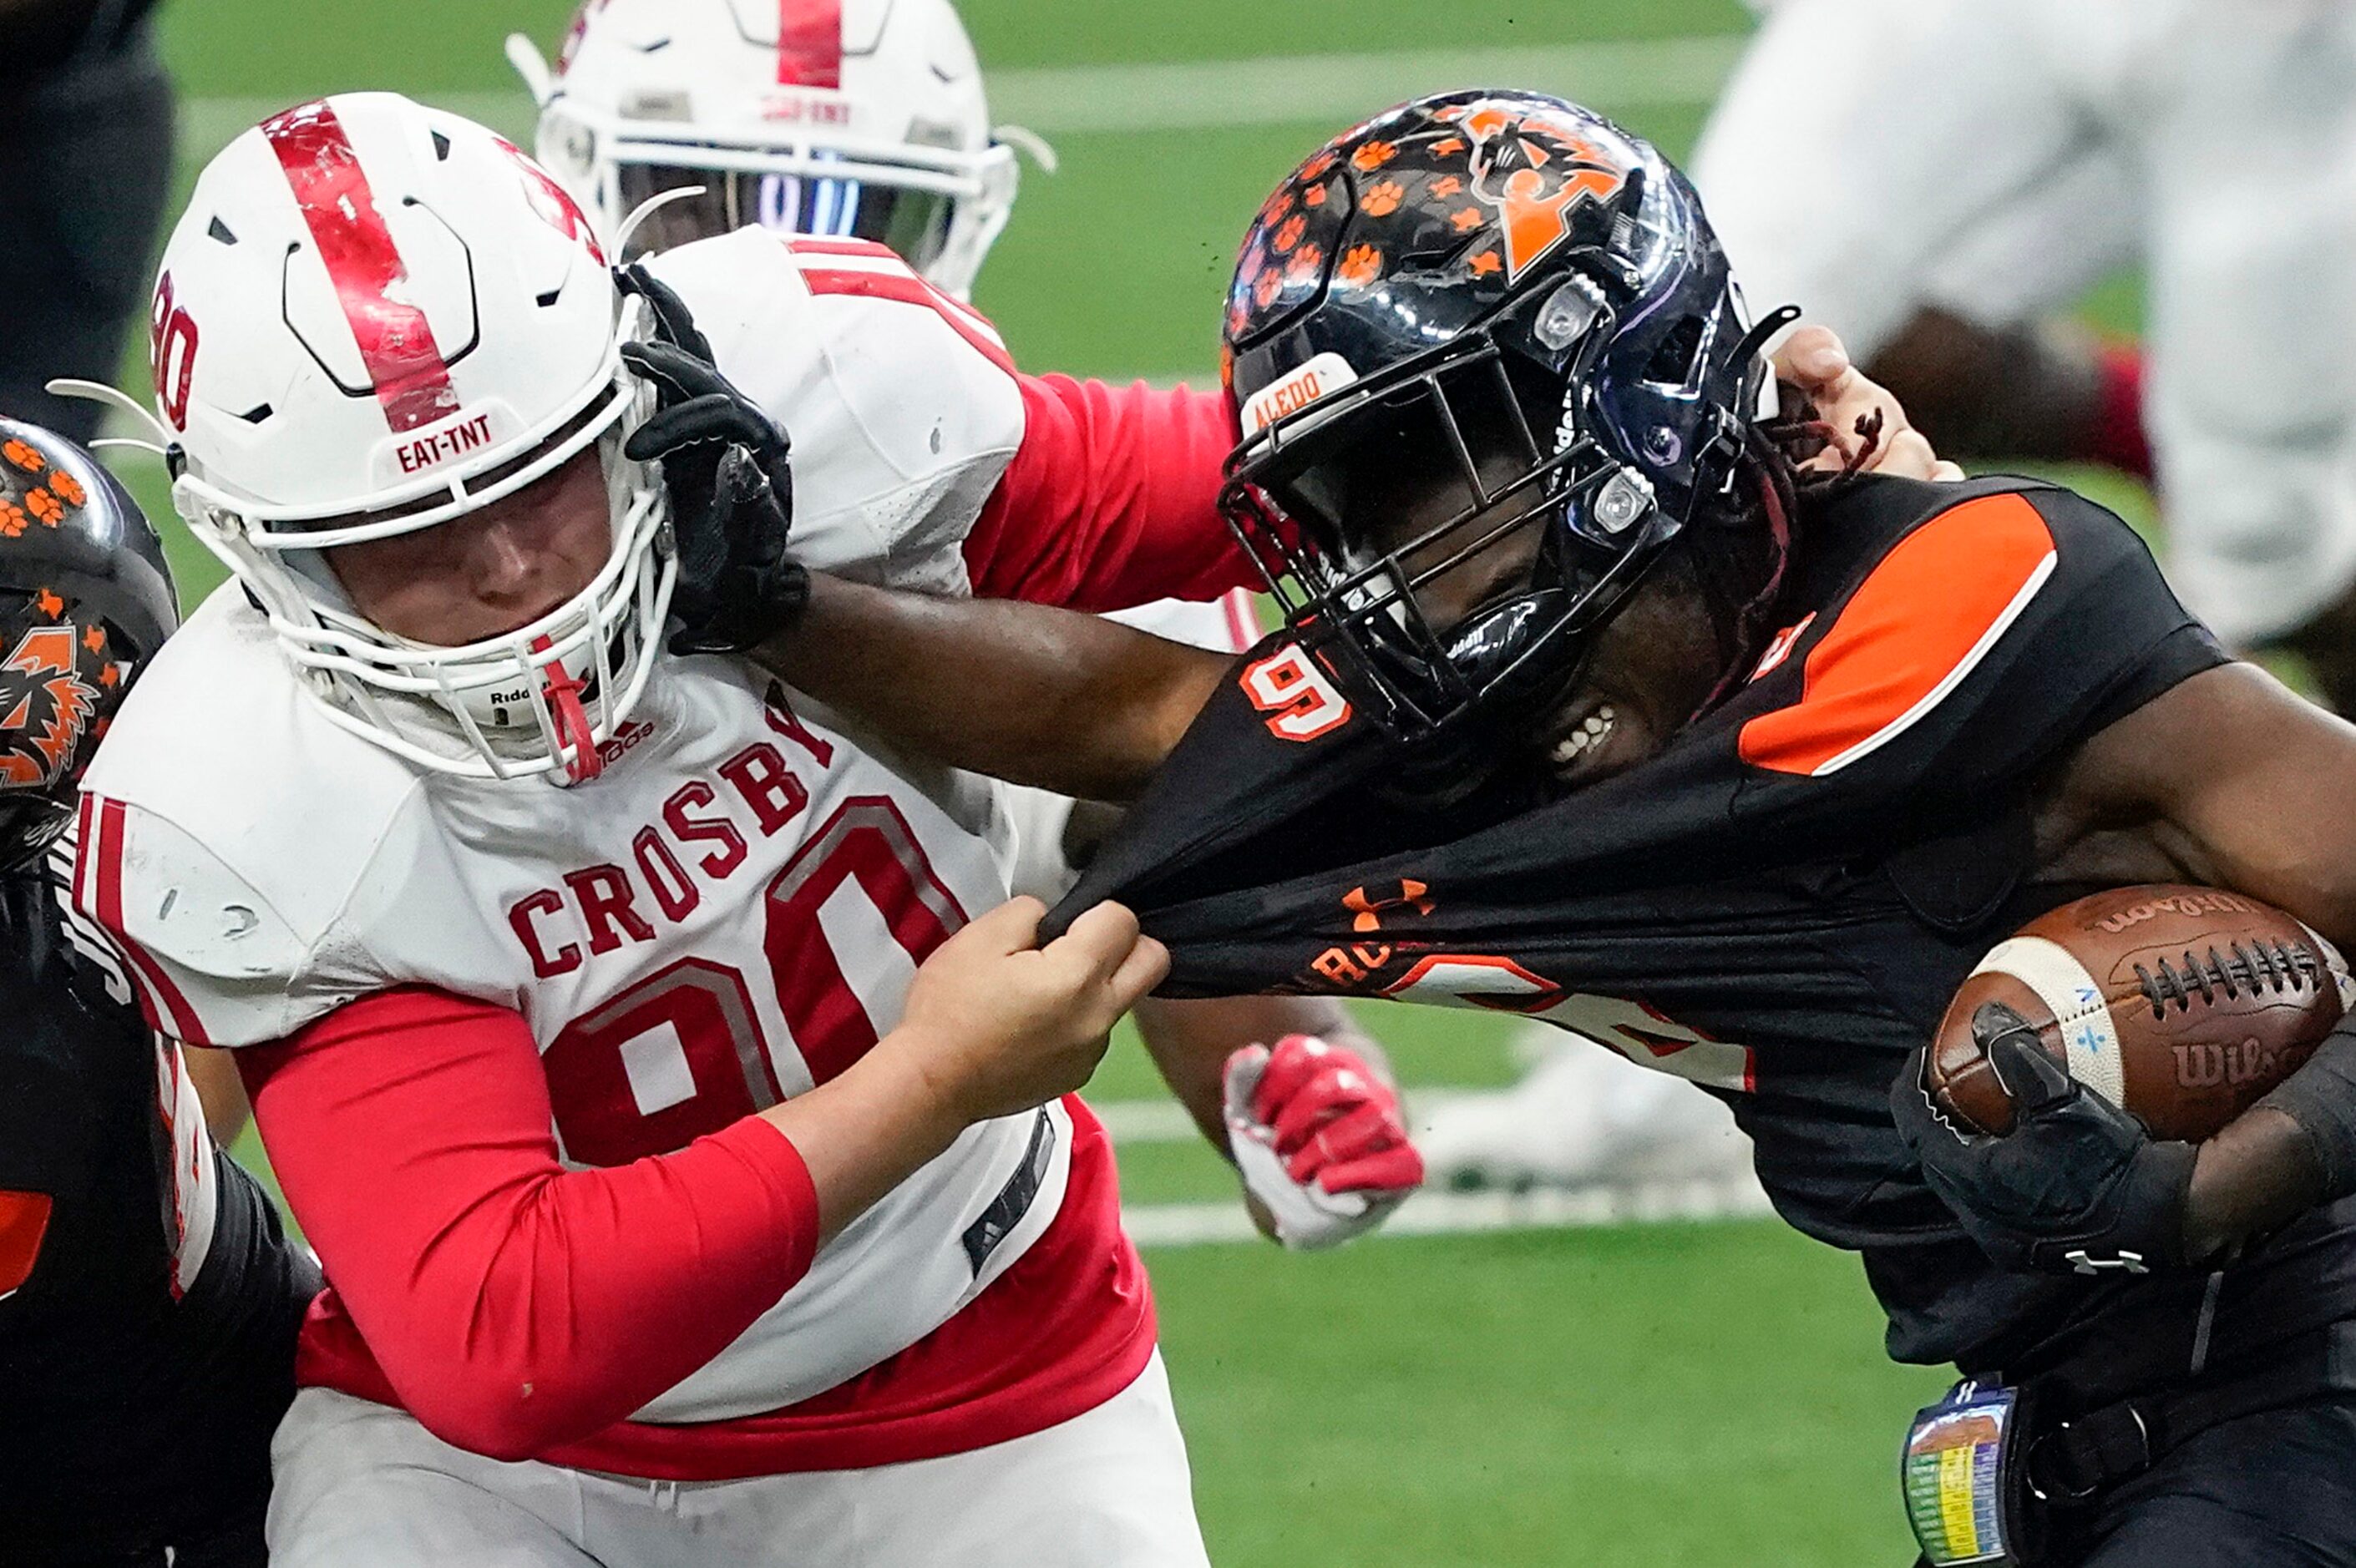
(1326, 89)
(1468, 1213)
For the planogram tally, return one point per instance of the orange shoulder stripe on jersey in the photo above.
(1917, 625)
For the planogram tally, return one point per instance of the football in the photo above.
(2182, 1005)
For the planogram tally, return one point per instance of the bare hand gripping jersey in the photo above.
(1777, 907)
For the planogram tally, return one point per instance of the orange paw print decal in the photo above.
(1372, 157)
(13, 521)
(1290, 235)
(67, 488)
(1305, 263)
(1382, 200)
(24, 454)
(45, 507)
(1316, 196)
(1267, 286)
(1361, 267)
(1316, 168)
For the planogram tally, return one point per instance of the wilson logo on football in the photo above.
(48, 706)
(1534, 172)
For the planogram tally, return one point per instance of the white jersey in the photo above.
(728, 915)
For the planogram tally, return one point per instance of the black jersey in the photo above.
(150, 1301)
(1778, 906)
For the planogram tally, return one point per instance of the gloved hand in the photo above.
(1321, 1139)
(2077, 1187)
(727, 467)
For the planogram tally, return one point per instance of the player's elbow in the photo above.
(501, 1415)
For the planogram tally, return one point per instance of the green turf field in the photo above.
(1701, 1395)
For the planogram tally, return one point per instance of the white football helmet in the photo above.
(854, 119)
(375, 317)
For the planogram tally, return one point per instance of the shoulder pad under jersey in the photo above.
(902, 403)
(233, 845)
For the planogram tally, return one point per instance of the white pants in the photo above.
(360, 1485)
(1996, 156)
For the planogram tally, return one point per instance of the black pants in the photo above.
(2276, 1490)
(85, 167)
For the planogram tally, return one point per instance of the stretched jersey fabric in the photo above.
(1777, 907)
(727, 916)
(148, 1299)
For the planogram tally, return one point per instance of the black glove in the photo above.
(727, 467)
(2077, 1187)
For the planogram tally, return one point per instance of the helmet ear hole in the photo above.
(1674, 362)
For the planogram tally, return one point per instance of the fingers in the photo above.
(1358, 1130)
(2033, 1078)
(713, 417)
(1147, 966)
(1398, 1169)
(1102, 937)
(674, 368)
(1012, 927)
(1906, 455)
(1293, 1061)
(1945, 473)
(672, 318)
(1813, 359)
(1335, 1091)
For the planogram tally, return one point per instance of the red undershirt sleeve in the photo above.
(514, 1305)
(1111, 501)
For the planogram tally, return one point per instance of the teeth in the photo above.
(1584, 739)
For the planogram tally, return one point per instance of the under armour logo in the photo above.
(1368, 910)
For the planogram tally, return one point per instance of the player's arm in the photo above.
(1024, 692)
(516, 1304)
(214, 1075)
(2245, 785)
(1111, 500)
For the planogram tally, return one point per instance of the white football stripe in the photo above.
(2342, 982)
(2063, 983)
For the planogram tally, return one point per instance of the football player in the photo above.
(674, 1101)
(148, 1299)
(1976, 165)
(867, 120)
(1593, 708)
(85, 168)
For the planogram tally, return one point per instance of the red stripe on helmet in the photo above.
(810, 43)
(396, 341)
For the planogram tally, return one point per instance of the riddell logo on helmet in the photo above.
(1322, 376)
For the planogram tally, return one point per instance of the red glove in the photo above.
(1321, 1138)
